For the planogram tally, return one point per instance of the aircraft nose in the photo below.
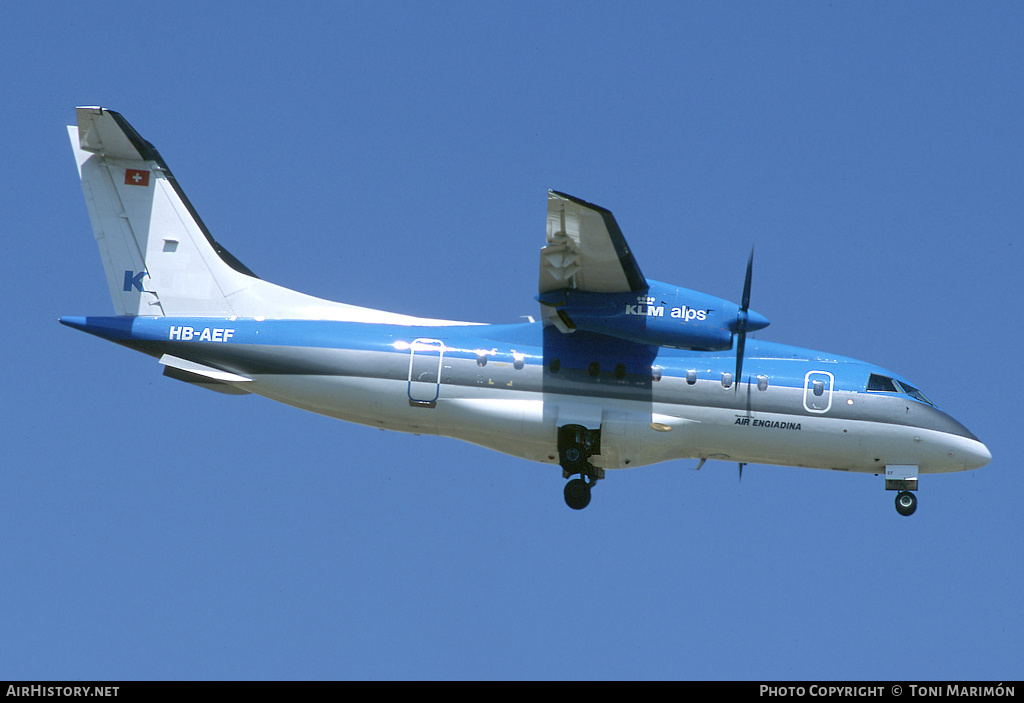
(963, 450)
(977, 455)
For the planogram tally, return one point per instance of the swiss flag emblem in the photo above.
(133, 177)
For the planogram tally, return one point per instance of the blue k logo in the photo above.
(135, 281)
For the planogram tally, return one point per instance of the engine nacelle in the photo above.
(662, 315)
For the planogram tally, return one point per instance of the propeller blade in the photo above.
(741, 343)
(741, 320)
(745, 304)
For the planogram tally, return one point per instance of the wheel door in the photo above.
(425, 357)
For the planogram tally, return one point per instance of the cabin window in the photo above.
(691, 376)
(726, 380)
(818, 388)
(883, 384)
(481, 359)
(656, 372)
(518, 361)
(620, 370)
(594, 368)
(554, 365)
(762, 383)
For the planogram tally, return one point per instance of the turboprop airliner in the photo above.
(619, 371)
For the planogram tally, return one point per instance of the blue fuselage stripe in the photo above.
(784, 365)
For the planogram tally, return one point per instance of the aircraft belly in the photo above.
(510, 410)
(634, 433)
(376, 402)
(827, 443)
(514, 427)
(783, 439)
(524, 425)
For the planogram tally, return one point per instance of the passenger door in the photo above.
(425, 357)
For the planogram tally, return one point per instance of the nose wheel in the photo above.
(906, 503)
(902, 478)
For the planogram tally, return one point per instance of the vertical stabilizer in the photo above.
(157, 254)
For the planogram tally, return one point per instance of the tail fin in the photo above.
(158, 256)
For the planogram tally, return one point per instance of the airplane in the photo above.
(620, 371)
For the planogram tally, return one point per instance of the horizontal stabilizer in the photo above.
(203, 376)
(106, 132)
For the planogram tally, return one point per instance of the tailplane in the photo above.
(158, 256)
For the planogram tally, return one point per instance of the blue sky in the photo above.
(397, 155)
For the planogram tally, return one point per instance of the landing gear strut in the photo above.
(576, 444)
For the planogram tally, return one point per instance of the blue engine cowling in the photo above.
(662, 315)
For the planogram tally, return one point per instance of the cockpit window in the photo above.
(914, 393)
(882, 383)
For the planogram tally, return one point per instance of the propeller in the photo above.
(742, 318)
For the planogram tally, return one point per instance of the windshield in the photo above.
(882, 383)
(914, 393)
(885, 384)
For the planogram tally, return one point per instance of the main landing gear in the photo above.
(576, 444)
(577, 493)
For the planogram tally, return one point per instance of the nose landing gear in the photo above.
(902, 478)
